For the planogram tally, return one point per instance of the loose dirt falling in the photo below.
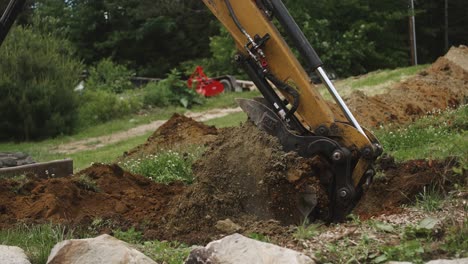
(243, 175)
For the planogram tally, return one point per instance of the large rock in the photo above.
(13, 255)
(13, 159)
(237, 249)
(439, 261)
(452, 261)
(100, 250)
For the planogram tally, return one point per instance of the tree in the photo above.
(38, 74)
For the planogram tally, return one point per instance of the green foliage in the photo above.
(130, 236)
(108, 76)
(456, 240)
(430, 199)
(87, 183)
(411, 250)
(437, 136)
(306, 230)
(97, 106)
(38, 74)
(353, 37)
(164, 167)
(171, 91)
(37, 240)
(166, 252)
(349, 251)
(259, 237)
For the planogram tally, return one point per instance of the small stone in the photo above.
(228, 226)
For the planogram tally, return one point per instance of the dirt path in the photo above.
(99, 142)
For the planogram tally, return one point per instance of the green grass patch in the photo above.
(37, 241)
(436, 136)
(165, 166)
(230, 120)
(165, 252)
(384, 76)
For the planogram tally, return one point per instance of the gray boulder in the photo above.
(13, 255)
(104, 249)
(452, 261)
(237, 249)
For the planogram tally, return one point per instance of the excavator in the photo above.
(291, 109)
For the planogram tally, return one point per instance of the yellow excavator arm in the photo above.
(299, 116)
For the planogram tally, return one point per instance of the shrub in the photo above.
(37, 77)
(171, 91)
(108, 76)
(101, 106)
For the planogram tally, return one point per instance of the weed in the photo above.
(20, 181)
(259, 237)
(37, 241)
(130, 236)
(165, 252)
(429, 199)
(456, 240)
(411, 250)
(350, 251)
(87, 183)
(164, 167)
(306, 230)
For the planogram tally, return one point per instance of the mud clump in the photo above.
(443, 85)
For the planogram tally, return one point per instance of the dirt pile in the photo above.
(401, 183)
(443, 85)
(244, 176)
(178, 132)
(99, 192)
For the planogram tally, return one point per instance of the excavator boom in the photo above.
(298, 115)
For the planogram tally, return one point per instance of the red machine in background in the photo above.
(203, 84)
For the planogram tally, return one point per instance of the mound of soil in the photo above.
(99, 192)
(401, 183)
(244, 176)
(178, 132)
(443, 85)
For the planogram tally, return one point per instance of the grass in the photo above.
(306, 230)
(381, 77)
(429, 199)
(436, 136)
(37, 241)
(159, 251)
(373, 83)
(230, 120)
(165, 166)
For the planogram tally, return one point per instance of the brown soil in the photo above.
(178, 132)
(243, 175)
(443, 85)
(401, 183)
(101, 191)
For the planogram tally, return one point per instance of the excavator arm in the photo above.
(292, 109)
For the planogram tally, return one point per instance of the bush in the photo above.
(101, 106)
(171, 91)
(108, 76)
(37, 77)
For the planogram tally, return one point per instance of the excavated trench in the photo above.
(242, 175)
